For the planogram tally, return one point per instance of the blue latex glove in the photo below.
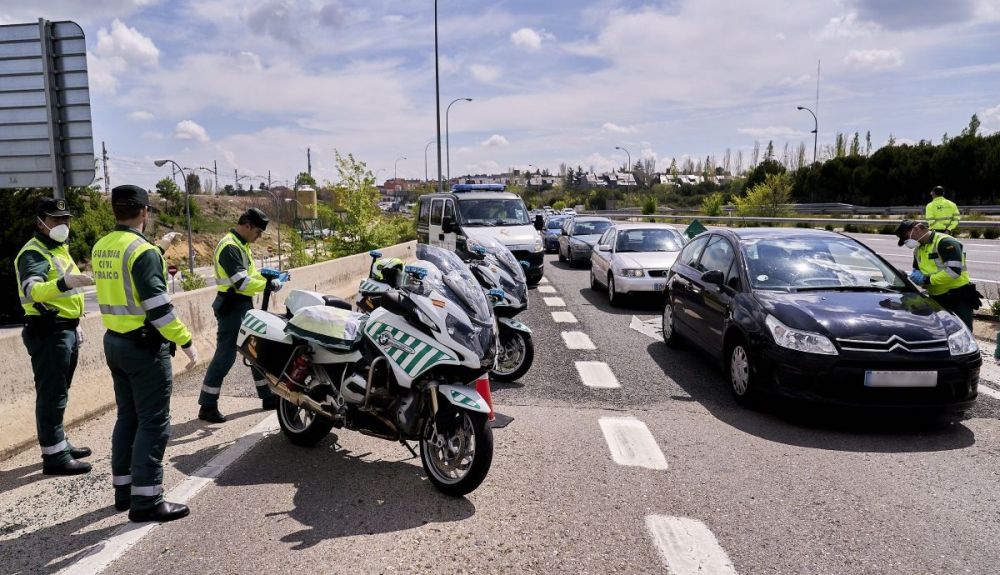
(918, 277)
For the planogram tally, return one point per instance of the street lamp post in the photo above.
(628, 155)
(425, 159)
(437, 95)
(815, 129)
(447, 144)
(187, 206)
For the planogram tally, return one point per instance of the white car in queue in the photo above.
(633, 258)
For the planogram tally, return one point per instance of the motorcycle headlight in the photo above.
(633, 273)
(798, 340)
(464, 334)
(962, 342)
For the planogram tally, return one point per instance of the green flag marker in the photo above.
(694, 229)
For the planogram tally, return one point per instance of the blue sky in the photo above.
(252, 84)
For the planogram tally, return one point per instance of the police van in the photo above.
(481, 211)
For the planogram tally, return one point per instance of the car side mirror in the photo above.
(563, 232)
(448, 224)
(714, 277)
(539, 222)
(604, 248)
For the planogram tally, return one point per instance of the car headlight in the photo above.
(798, 340)
(962, 342)
(632, 273)
(539, 246)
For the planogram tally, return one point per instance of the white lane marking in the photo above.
(631, 443)
(596, 374)
(544, 280)
(563, 317)
(577, 340)
(987, 390)
(687, 546)
(649, 327)
(990, 370)
(546, 289)
(554, 301)
(126, 536)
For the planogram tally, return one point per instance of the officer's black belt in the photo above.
(35, 321)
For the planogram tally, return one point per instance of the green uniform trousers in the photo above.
(143, 379)
(53, 360)
(959, 306)
(230, 318)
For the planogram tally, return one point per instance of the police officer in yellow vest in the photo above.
(143, 331)
(237, 281)
(50, 286)
(942, 213)
(939, 267)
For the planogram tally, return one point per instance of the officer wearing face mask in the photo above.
(939, 267)
(143, 332)
(50, 286)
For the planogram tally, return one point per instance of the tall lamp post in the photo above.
(628, 155)
(425, 159)
(447, 145)
(187, 207)
(395, 165)
(437, 95)
(815, 129)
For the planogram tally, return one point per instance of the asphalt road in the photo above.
(664, 473)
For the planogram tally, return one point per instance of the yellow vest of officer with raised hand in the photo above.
(32, 291)
(247, 282)
(942, 214)
(942, 274)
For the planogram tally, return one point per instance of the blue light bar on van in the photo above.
(478, 187)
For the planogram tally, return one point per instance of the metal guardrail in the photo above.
(839, 221)
(837, 208)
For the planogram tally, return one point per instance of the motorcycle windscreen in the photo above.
(504, 258)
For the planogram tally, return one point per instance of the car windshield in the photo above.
(649, 240)
(816, 264)
(590, 228)
(449, 275)
(493, 212)
(554, 223)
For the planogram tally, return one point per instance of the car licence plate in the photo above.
(900, 378)
(659, 286)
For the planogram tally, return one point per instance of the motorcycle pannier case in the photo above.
(330, 327)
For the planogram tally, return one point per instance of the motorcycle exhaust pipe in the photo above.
(296, 398)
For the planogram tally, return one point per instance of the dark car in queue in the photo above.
(551, 231)
(578, 236)
(819, 316)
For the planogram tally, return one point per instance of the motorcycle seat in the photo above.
(334, 301)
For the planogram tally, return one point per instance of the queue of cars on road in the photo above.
(807, 314)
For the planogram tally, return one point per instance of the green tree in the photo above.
(855, 145)
(767, 199)
(193, 183)
(649, 205)
(304, 179)
(712, 204)
(973, 128)
(362, 228)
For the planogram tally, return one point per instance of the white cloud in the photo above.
(874, 59)
(119, 50)
(990, 119)
(771, 132)
(141, 116)
(495, 141)
(848, 26)
(189, 130)
(526, 38)
(616, 129)
(483, 73)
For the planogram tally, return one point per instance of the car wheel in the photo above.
(670, 335)
(561, 257)
(614, 298)
(594, 285)
(741, 378)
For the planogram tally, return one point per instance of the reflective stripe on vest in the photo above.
(929, 262)
(69, 303)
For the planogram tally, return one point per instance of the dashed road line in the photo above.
(631, 443)
(563, 317)
(596, 374)
(546, 289)
(544, 280)
(687, 546)
(577, 340)
(554, 301)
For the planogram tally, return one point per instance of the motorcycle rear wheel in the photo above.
(457, 461)
(301, 426)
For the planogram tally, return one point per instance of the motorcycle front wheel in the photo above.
(458, 458)
(517, 352)
(301, 426)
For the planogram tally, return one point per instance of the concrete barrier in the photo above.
(92, 392)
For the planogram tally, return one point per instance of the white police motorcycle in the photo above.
(409, 371)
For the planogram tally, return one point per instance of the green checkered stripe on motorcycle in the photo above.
(423, 356)
(370, 286)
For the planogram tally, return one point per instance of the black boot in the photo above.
(210, 413)
(123, 497)
(79, 452)
(71, 467)
(162, 513)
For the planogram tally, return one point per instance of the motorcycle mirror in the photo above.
(375, 254)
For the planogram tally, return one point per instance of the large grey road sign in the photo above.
(46, 138)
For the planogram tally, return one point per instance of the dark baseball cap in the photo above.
(256, 217)
(52, 207)
(129, 196)
(938, 190)
(903, 229)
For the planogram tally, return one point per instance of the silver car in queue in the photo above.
(632, 258)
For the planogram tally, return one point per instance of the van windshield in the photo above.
(493, 212)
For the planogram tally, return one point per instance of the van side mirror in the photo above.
(448, 224)
(714, 277)
(539, 222)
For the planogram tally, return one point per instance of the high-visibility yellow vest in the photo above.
(33, 291)
(222, 279)
(942, 214)
(112, 259)
(930, 263)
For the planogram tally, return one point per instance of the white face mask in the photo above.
(59, 233)
(914, 244)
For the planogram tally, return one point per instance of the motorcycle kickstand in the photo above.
(407, 445)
